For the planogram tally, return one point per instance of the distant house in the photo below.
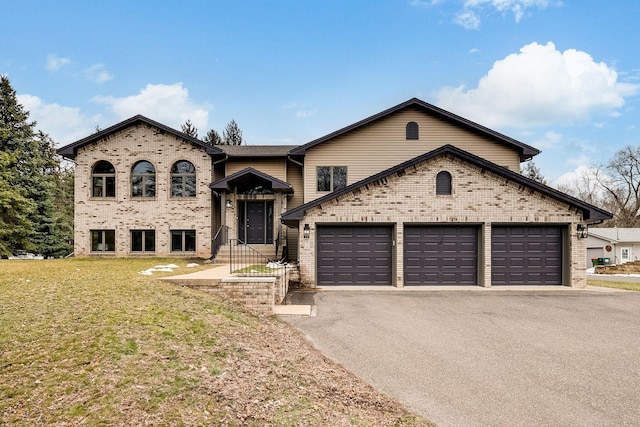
(413, 195)
(620, 245)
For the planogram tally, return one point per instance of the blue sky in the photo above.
(563, 76)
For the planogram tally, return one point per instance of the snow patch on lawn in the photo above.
(160, 268)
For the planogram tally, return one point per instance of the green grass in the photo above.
(83, 339)
(612, 284)
(93, 342)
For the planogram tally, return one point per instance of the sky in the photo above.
(562, 76)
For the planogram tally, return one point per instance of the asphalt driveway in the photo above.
(491, 358)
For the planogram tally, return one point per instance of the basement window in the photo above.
(103, 240)
(143, 240)
(183, 240)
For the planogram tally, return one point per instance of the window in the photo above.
(183, 179)
(331, 178)
(103, 240)
(443, 183)
(143, 180)
(143, 241)
(412, 130)
(183, 240)
(103, 180)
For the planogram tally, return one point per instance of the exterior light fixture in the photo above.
(229, 204)
(307, 231)
(583, 231)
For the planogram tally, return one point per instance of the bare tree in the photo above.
(620, 180)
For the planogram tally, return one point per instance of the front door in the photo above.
(626, 255)
(256, 222)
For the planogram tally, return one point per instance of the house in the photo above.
(413, 195)
(619, 245)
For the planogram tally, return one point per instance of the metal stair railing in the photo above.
(218, 240)
(247, 261)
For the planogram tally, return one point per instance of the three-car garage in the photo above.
(435, 255)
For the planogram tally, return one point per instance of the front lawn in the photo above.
(612, 284)
(93, 342)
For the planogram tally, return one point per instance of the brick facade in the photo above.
(478, 197)
(124, 213)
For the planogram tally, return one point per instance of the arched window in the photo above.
(412, 130)
(143, 180)
(183, 179)
(103, 180)
(443, 183)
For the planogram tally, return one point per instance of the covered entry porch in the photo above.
(251, 201)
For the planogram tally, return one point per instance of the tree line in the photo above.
(36, 191)
(231, 135)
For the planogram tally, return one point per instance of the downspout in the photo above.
(213, 163)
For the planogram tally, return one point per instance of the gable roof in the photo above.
(526, 151)
(69, 151)
(620, 235)
(589, 212)
(246, 174)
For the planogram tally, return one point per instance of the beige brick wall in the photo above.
(160, 213)
(478, 197)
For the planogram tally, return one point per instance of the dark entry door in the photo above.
(255, 222)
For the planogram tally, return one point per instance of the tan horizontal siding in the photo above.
(274, 167)
(294, 177)
(383, 144)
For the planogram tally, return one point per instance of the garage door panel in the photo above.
(354, 255)
(526, 255)
(447, 255)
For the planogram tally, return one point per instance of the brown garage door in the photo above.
(354, 255)
(440, 255)
(526, 255)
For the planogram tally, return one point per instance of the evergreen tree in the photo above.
(232, 135)
(531, 171)
(190, 129)
(15, 227)
(31, 168)
(213, 137)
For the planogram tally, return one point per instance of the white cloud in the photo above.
(539, 86)
(168, 104)
(469, 17)
(64, 124)
(582, 178)
(55, 63)
(97, 74)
